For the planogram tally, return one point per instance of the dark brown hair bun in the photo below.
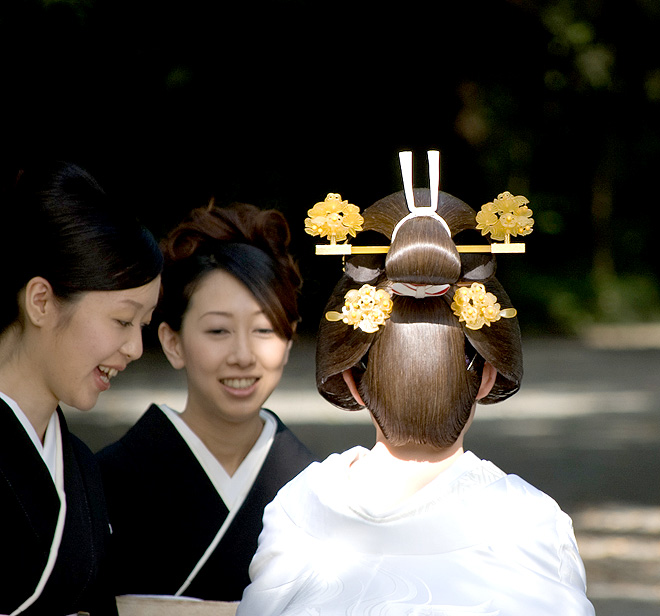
(420, 372)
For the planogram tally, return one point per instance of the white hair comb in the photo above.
(405, 159)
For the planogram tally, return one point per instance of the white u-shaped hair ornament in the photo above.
(405, 159)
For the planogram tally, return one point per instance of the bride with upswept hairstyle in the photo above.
(416, 525)
(423, 345)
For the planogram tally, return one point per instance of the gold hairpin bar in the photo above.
(349, 249)
(505, 217)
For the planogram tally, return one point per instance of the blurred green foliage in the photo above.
(586, 159)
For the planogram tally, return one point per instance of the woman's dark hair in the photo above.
(79, 239)
(250, 244)
(419, 374)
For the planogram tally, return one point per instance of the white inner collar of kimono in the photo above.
(232, 489)
(48, 449)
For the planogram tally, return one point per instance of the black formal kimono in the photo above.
(166, 512)
(29, 509)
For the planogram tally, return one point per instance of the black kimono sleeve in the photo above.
(28, 514)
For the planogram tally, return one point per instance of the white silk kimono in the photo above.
(474, 541)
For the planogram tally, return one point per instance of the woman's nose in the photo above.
(241, 353)
(132, 348)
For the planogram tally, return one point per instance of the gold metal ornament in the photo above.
(334, 218)
(477, 307)
(367, 308)
(505, 217)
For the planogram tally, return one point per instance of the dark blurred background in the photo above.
(278, 102)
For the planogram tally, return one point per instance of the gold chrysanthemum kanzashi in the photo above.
(334, 218)
(477, 307)
(366, 308)
(505, 216)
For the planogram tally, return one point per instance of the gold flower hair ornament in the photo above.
(334, 218)
(477, 307)
(366, 308)
(505, 216)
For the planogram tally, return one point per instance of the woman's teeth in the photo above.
(238, 383)
(107, 373)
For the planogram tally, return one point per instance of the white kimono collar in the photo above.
(52, 453)
(232, 490)
(47, 449)
(320, 504)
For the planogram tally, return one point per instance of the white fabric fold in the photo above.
(472, 541)
(419, 291)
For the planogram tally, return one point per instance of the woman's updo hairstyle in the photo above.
(60, 224)
(250, 244)
(419, 374)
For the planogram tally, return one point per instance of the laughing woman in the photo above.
(186, 491)
(74, 299)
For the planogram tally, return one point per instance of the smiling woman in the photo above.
(73, 302)
(103, 334)
(186, 490)
(233, 358)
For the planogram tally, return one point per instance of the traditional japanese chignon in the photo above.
(412, 373)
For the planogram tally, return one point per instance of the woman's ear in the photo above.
(289, 344)
(350, 382)
(488, 376)
(171, 343)
(39, 300)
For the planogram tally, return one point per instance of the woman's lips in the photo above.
(242, 387)
(103, 376)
